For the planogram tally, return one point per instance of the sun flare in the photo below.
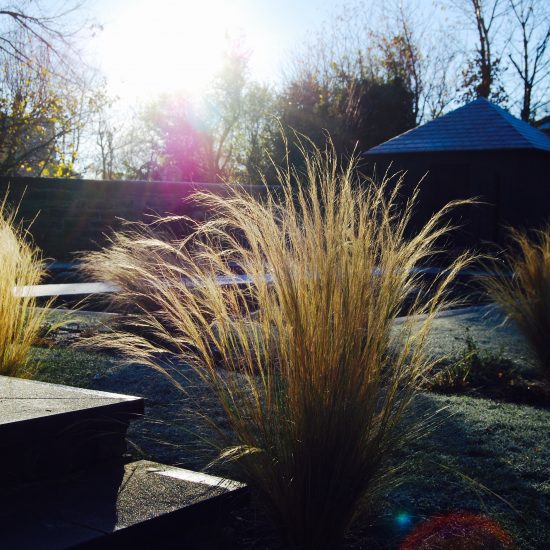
(163, 46)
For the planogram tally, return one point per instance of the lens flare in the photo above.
(403, 520)
(458, 530)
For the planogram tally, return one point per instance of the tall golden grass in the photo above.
(525, 296)
(20, 320)
(312, 376)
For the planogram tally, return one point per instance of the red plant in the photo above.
(458, 531)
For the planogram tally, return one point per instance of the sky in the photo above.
(150, 46)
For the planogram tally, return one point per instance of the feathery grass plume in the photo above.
(525, 296)
(313, 379)
(20, 319)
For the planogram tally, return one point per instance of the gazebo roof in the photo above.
(477, 126)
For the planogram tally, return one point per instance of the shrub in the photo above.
(525, 296)
(312, 378)
(20, 319)
(458, 531)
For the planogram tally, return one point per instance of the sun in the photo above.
(163, 46)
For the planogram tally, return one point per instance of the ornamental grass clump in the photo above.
(20, 320)
(312, 377)
(525, 295)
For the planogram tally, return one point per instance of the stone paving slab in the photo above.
(26, 400)
(48, 429)
(64, 289)
(142, 505)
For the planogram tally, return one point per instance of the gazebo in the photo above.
(478, 150)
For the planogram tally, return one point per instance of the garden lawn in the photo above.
(482, 455)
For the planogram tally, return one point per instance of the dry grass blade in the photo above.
(525, 296)
(305, 361)
(20, 320)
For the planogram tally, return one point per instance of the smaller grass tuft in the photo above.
(525, 296)
(472, 368)
(20, 320)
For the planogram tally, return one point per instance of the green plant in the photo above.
(312, 378)
(470, 368)
(20, 319)
(525, 296)
(457, 375)
(474, 369)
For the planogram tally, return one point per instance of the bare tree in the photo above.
(483, 71)
(224, 110)
(105, 141)
(402, 57)
(51, 27)
(530, 55)
(426, 53)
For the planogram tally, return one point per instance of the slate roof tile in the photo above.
(479, 125)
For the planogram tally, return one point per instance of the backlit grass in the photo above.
(20, 319)
(525, 296)
(313, 382)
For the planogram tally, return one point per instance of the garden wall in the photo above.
(72, 215)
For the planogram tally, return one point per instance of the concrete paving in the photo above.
(48, 429)
(138, 505)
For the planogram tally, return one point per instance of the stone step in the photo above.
(48, 430)
(137, 505)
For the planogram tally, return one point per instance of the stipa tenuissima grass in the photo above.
(20, 320)
(313, 380)
(523, 291)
